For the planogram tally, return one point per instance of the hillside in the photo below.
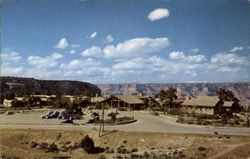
(22, 86)
(240, 89)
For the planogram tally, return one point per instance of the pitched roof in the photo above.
(130, 99)
(206, 101)
(97, 99)
(228, 103)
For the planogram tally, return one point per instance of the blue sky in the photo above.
(127, 41)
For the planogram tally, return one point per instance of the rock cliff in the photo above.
(241, 90)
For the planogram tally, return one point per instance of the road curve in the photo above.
(145, 122)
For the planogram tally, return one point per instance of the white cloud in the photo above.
(225, 59)
(133, 47)
(109, 38)
(75, 45)
(94, 51)
(12, 56)
(236, 48)
(196, 58)
(93, 35)
(196, 50)
(80, 63)
(56, 55)
(40, 62)
(158, 14)
(11, 70)
(72, 51)
(177, 55)
(62, 44)
(228, 69)
(151, 64)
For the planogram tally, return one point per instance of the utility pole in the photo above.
(102, 122)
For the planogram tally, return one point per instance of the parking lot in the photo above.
(145, 122)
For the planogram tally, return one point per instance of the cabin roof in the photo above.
(206, 101)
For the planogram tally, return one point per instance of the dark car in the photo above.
(46, 116)
(77, 117)
(9, 113)
(96, 118)
(91, 121)
(94, 114)
(67, 121)
(50, 115)
(61, 115)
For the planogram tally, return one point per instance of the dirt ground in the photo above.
(16, 143)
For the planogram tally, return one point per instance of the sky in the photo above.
(126, 41)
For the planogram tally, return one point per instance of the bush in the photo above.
(190, 122)
(200, 148)
(53, 147)
(88, 144)
(180, 120)
(174, 112)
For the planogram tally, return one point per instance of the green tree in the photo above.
(226, 95)
(168, 98)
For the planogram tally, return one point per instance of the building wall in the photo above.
(197, 110)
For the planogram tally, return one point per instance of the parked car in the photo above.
(91, 121)
(9, 113)
(50, 114)
(96, 118)
(152, 112)
(69, 120)
(113, 111)
(46, 115)
(61, 115)
(54, 114)
(77, 117)
(94, 114)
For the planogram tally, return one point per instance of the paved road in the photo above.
(146, 123)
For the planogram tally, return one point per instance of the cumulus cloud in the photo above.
(48, 61)
(137, 46)
(109, 38)
(224, 59)
(177, 55)
(94, 51)
(12, 56)
(93, 35)
(158, 14)
(11, 70)
(195, 58)
(79, 63)
(196, 50)
(42, 61)
(62, 44)
(151, 64)
(228, 69)
(72, 51)
(56, 55)
(236, 48)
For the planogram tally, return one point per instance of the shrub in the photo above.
(190, 122)
(88, 144)
(53, 147)
(200, 148)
